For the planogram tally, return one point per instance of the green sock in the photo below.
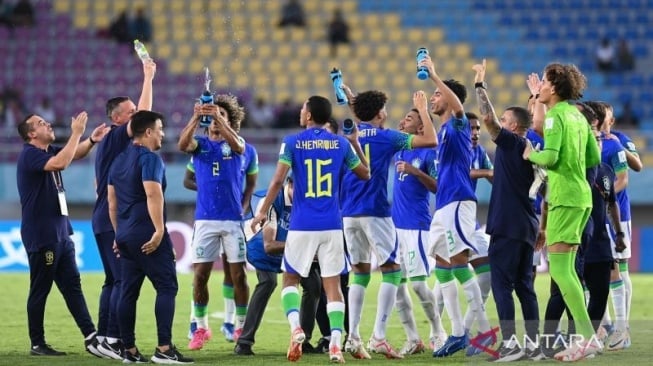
(362, 279)
(228, 292)
(290, 299)
(561, 267)
(200, 310)
(623, 266)
(483, 268)
(462, 273)
(443, 275)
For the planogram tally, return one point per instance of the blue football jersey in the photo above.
(536, 140)
(317, 159)
(454, 161)
(410, 198)
(613, 154)
(219, 173)
(370, 197)
(480, 160)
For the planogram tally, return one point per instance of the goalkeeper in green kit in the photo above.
(570, 148)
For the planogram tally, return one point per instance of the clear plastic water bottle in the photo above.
(336, 78)
(206, 98)
(422, 72)
(141, 51)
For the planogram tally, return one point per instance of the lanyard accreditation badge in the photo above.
(61, 192)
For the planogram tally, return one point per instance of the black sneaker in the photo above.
(243, 349)
(307, 347)
(45, 350)
(171, 356)
(506, 354)
(322, 345)
(91, 345)
(534, 354)
(128, 357)
(111, 350)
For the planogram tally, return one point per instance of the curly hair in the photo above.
(567, 80)
(235, 112)
(368, 104)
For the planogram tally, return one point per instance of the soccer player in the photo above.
(367, 218)
(119, 110)
(45, 229)
(613, 153)
(414, 180)
(569, 150)
(598, 262)
(511, 223)
(265, 252)
(219, 163)
(136, 184)
(251, 169)
(317, 158)
(481, 168)
(454, 220)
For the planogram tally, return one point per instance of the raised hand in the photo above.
(99, 132)
(350, 95)
(480, 71)
(419, 100)
(78, 123)
(149, 69)
(534, 83)
(428, 63)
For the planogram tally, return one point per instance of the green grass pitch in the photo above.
(272, 338)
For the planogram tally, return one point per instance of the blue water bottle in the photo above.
(206, 98)
(422, 72)
(336, 78)
(348, 126)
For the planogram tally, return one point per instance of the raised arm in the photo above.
(235, 142)
(451, 98)
(429, 138)
(97, 135)
(488, 115)
(537, 109)
(187, 142)
(145, 101)
(64, 157)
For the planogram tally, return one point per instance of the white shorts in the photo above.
(481, 241)
(209, 236)
(626, 226)
(303, 246)
(452, 229)
(365, 235)
(413, 251)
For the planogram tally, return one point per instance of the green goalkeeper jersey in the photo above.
(570, 148)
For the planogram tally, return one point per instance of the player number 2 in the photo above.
(216, 168)
(318, 184)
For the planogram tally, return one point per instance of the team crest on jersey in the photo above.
(416, 162)
(606, 184)
(49, 258)
(225, 149)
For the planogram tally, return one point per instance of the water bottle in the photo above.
(141, 51)
(336, 78)
(422, 72)
(206, 98)
(348, 126)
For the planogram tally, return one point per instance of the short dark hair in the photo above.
(334, 125)
(457, 88)
(522, 115)
(589, 113)
(320, 108)
(368, 104)
(24, 128)
(142, 120)
(599, 111)
(235, 112)
(113, 103)
(471, 116)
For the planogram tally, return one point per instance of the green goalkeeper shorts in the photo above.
(565, 224)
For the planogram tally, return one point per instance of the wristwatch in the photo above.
(481, 84)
